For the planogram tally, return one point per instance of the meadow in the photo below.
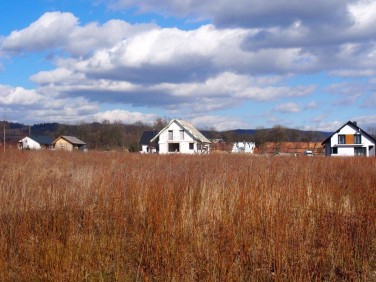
(129, 217)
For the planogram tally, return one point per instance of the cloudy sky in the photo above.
(225, 64)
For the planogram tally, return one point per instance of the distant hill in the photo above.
(276, 134)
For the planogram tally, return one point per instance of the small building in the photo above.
(69, 143)
(35, 142)
(350, 140)
(181, 137)
(146, 146)
(243, 147)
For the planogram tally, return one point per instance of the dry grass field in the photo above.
(131, 217)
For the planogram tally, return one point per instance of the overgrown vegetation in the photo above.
(118, 216)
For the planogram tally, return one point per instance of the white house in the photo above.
(350, 140)
(146, 146)
(181, 137)
(243, 147)
(35, 142)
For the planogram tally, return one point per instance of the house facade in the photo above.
(181, 137)
(69, 143)
(350, 140)
(35, 142)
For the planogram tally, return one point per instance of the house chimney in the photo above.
(355, 122)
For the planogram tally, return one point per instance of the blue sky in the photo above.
(219, 64)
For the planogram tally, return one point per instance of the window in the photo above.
(181, 134)
(360, 151)
(334, 150)
(357, 139)
(191, 146)
(170, 135)
(341, 139)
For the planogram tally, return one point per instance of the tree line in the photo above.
(118, 135)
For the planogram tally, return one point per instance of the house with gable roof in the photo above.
(180, 136)
(145, 141)
(350, 140)
(69, 143)
(35, 142)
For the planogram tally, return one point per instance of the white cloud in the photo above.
(219, 123)
(366, 121)
(239, 57)
(18, 96)
(49, 31)
(125, 116)
(29, 106)
(219, 92)
(58, 30)
(288, 108)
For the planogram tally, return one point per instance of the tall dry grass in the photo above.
(114, 216)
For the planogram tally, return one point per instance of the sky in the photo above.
(224, 64)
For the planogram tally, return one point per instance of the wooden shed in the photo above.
(69, 143)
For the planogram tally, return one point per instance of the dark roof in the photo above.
(71, 139)
(42, 140)
(353, 124)
(147, 136)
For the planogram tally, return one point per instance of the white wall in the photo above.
(243, 147)
(183, 142)
(28, 143)
(144, 150)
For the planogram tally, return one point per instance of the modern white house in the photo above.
(35, 142)
(350, 140)
(243, 147)
(181, 137)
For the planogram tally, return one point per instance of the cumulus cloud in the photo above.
(247, 13)
(18, 96)
(219, 123)
(24, 105)
(125, 116)
(249, 52)
(58, 30)
(366, 121)
(219, 92)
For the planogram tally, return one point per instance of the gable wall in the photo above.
(183, 143)
(30, 144)
(62, 144)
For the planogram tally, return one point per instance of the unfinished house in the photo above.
(181, 137)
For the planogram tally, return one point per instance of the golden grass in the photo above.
(116, 216)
